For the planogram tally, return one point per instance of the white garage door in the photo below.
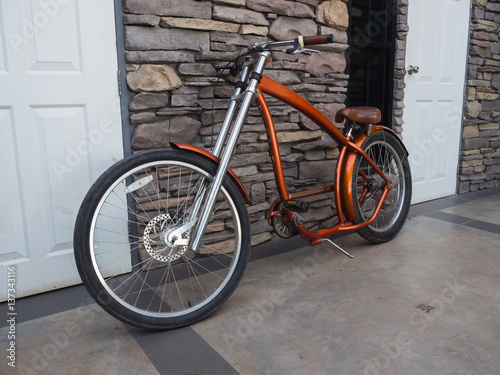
(60, 128)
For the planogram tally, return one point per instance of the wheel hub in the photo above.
(155, 239)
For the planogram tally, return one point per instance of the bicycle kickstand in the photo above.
(338, 247)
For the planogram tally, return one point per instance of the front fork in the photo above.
(212, 190)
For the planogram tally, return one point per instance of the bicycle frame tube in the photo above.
(346, 146)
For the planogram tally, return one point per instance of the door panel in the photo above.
(61, 128)
(437, 43)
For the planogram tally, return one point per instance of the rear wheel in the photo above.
(390, 156)
(122, 248)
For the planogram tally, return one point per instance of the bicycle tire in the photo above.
(120, 244)
(390, 156)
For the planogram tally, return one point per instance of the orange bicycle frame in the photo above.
(349, 149)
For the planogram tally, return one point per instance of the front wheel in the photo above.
(390, 156)
(122, 249)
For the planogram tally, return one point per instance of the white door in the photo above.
(437, 44)
(60, 129)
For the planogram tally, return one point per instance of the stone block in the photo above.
(235, 39)
(285, 137)
(317, 169)
(258, 193)
(197, 69)
(284, 77)
(488, 184)
(230, 2)
(471, 131)
(242, 160)
(142, 118)
(139, 38)
(495, 81)
(492, 6)
(198, 24)
(475, 143)
(489, 133)
(493, 169)
(158, 57)
(178, 8)
(314, 155)
(255, 30)
(333, 13)
(473, 109)
(493, 105)
(282, 7)
(249, 170)
(153, 78)
(148, 100)
(329, 110)
(483, 35)
(471, 163)
(185, 100)
(149, 136)
(236, 15)
(464, 187)
(315, 145)
(141, 20)
(319, 65)
(158, 135)
(286, 28)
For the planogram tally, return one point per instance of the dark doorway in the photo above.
(372, 38)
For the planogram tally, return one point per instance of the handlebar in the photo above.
(297, 44)
(317, 39)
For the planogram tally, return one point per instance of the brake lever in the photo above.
(302, 50)
(297, 50)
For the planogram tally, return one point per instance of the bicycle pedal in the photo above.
(295, 205)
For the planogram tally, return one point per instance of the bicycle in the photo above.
(162, 238)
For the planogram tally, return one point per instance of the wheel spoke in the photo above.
(385, 151)
(131, 257)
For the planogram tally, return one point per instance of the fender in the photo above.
(347, 170)
(214, 159)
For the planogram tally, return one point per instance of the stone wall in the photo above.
(399, 64)
(480, 159)
(176, 48)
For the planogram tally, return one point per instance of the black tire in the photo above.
(390, 156)
(122, 253)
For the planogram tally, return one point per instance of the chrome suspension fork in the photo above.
(248, 96)
(218, 145)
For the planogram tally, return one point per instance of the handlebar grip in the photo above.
(317, 39)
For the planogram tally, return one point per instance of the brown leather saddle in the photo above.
(360, 115)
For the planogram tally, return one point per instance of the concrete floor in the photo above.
(425, 303)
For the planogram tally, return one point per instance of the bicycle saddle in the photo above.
(360, 115)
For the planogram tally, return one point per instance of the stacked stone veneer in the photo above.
(480, 159)
(176, 48)
(401, 9)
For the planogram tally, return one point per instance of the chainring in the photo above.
(282, 226)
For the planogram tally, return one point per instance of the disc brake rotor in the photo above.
(155, 242)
